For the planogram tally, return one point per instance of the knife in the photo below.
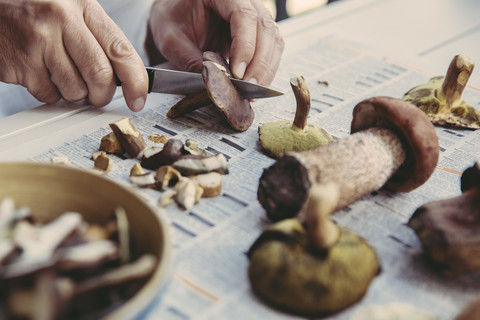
(181, 82)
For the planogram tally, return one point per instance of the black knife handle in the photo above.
(150, 72)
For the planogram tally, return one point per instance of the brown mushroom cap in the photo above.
(236, 110)
(414, 129)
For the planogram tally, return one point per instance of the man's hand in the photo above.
(241, 30)
(68, 49)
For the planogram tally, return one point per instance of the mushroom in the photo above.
(197, 165)
(220, 91)
(441, 97)
(313, 269)
(102, 162)
(172, 151)
(449, 229)
(167, 176)
(393, 144)
(110, 144)
(210, 182)
(188, 193)
(280, 137)
(128, 136)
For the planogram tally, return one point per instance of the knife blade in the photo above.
(181, 82)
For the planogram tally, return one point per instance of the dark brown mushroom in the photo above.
(450, 229)
(393, 144)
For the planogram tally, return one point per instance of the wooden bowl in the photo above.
(50, 190)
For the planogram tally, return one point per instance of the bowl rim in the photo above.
(139, 302)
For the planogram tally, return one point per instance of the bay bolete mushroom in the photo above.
(449, 228)
(393, 144)
(220, 91)
(280, 137)
(314, 268)
(441, 97)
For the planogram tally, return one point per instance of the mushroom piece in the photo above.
(200, 99)
(441, 97)
(110, 144)
(312, 269)
(280, 137)
(197, 165)
(449, 229)
(172, 151)
(210, 182)
(128, 136)
(393, 144)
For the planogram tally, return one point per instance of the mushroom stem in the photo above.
(322, 200)
(456, 79)
(302, 96)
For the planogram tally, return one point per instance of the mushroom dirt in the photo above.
(393, 145)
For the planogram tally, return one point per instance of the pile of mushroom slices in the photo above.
(67, 267)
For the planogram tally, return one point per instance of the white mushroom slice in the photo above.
(87, 254)
(132, 271)
(123, 234)
(167, 176)
(148, 152)
(186, 193)
(39, 243)
(60, 160)
(143, 180)
(193, 166)
(211, 183)
(167, 198)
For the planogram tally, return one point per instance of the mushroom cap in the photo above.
(427, 99)
(280, 137)
(237, 111)
(471, 177)
(414, 129)
(289, 274)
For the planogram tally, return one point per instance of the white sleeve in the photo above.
(131, 16)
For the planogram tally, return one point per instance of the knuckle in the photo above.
(248, 12)
(101, 76)
(44, 92)
(120, 47)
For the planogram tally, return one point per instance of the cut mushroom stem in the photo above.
(393, 144)
(456, 79)
(302, 97)
(322, 200)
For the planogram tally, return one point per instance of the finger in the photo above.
(91, 61)
(179, 50)
(268, 50)
(39, 85)
(64, 74)
(242, 16)
(126, 62)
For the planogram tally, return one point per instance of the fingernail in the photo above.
(253, 80)
(138, 104)
(240, 70)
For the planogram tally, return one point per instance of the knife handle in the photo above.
(150, 72)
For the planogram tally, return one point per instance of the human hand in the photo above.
(242, 31)
(70, 50)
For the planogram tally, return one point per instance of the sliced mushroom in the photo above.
(210, 182)
(110, 144)
(197, 165)
(128, 136)
(167, 176)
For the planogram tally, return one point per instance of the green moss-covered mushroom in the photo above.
(314, 268)
(280, 137)
(441, 97)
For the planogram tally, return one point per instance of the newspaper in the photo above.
(209, 279)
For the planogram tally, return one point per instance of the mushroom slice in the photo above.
(86, 255)
(236, 110)
(188, 193)
(171, 152)
(441, 97)
(128, 136)
(449, 229)
(123, 234)
(167, 176)
(110, 144)
(280, 137)
(211, 183)
(191, 166)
